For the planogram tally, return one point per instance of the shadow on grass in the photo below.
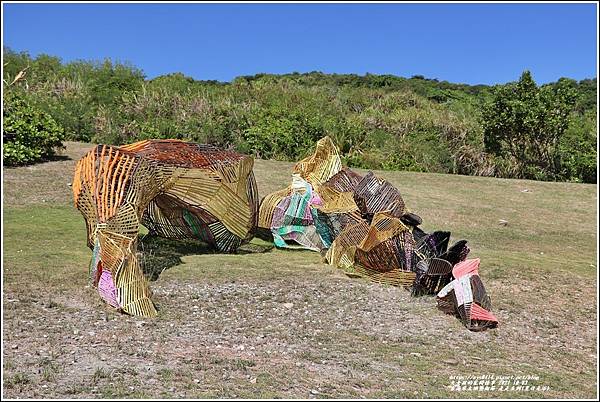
(159, 254)
(53, 158)
(57, 158)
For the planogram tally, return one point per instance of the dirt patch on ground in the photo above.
(334, 337)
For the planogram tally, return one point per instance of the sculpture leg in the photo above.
(124, 283)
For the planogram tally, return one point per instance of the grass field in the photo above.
(282, 324)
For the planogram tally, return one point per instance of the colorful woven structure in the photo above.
(177, 190)
(466, 297)
(362, 225)
(292, 213)
(360, 222)
(182, 190)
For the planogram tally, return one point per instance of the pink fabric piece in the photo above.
(307, 215)
(479, 313)
(279, 213)
(107, 290)
(466, 267)
(315, 199)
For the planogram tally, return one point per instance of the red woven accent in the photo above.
(479, 313)
(466, 267)
(183, 154)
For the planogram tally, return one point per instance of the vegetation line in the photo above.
(515, 130)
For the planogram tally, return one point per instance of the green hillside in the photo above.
(518, 129)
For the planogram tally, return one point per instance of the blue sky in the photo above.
(468, 43)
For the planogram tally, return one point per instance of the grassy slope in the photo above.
(281, 323)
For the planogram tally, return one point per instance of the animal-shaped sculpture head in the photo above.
(177, 190)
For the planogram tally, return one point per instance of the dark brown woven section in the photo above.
(411, 219)
(344, 180)
(434, 244)
(373, 195)
(384, 257)
(447, 303)
(457, 253)
(480, 296)
(432, 276)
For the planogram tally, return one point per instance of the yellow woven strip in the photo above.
(268, 205)
(320, 166)
(394, 277)
(133, 292)
(336, 201)
(383, 227)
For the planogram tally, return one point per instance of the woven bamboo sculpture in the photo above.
(177, 190)
(356, 219)
(466, 297)
(362, 225)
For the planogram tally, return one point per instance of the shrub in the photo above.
(526, 123)
(578, 149)
(282, 135)
(29, 134)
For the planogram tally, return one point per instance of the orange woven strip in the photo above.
(136, 146)
(123, 177)
(97, 189)
(89, 167)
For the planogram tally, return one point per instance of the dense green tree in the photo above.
(578, 149)
(14, 62)
(525, 123)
